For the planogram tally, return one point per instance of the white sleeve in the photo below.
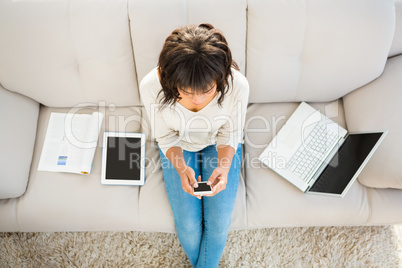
(164, 135)
(231, 132)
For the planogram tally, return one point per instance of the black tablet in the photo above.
(123, 158)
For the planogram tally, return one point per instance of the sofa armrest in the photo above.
(377, 106)
(18, 121)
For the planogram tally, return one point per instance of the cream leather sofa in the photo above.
(342, 56)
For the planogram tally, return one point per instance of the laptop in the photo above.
(123, 159)
(317, 155)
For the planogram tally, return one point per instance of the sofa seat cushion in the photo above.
(8, 215)
(377, 106)
(73, 202)
(18, 121)
(155, 213)
(274, 202)
(385, 206)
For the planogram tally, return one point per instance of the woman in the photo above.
(196, 100)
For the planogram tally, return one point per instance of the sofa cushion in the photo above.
(18, 121)
(385, 206)
(83, 48)
(315, 50)
(274, 202)
(152, 21)
(377, 106)
(8, 215)
(72, 202)
(396, 47)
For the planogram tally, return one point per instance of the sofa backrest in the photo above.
(152, 21)
(68, 52)
(316, 50)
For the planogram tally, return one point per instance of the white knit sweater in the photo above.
(175, 125)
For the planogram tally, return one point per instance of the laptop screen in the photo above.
(346, 162)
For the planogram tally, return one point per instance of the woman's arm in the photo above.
(219, 177)
(186, 173)
(230, 134)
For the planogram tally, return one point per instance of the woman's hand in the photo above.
(219, 177)
(188, 181)
(218, 180)
(186, 173)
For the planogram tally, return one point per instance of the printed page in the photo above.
(70, 142)
(91, 141)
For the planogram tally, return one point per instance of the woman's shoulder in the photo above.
(150, 84)
(240, 87)
(150, 79)
(239, 77)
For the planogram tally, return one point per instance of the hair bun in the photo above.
(206, 26)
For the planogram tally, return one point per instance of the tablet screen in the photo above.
(123, 159)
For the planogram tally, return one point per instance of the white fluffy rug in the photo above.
(379, 246)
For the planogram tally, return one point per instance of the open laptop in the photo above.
(317, 155)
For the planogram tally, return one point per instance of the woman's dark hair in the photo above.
(194, 57)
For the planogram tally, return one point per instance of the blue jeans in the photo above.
(202, 226)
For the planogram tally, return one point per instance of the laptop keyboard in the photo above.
(312, 152)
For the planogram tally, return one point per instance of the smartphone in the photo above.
(202, 189)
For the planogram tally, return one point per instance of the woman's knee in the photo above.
(188, 225)
(218, 225)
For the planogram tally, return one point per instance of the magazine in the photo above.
(70, 142)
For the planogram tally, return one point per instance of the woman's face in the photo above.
(198, 99)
